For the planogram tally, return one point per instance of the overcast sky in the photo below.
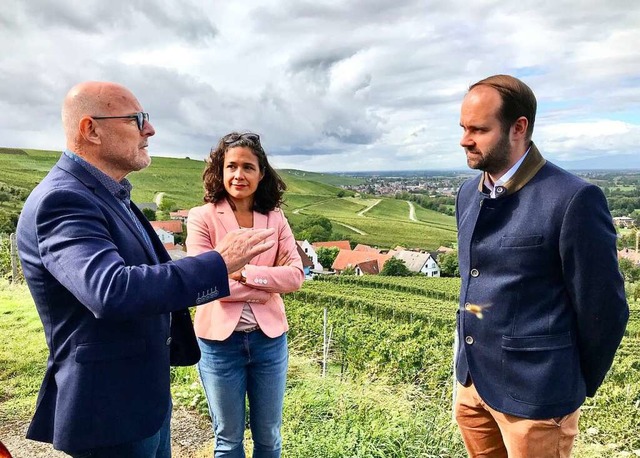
(340, 85)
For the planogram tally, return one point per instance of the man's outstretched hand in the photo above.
(238, 247)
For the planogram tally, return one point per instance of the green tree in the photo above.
(314, 228)
(349, 270)
(630, 272)
(179, 238)
(317, 220)
(167, 205)
(8, 221)
(326, 256)
(448, 263)
(149, 214)
(636, 292)
(314, 234)
(395, 267)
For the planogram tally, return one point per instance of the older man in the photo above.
(542, 305)
(112, 303)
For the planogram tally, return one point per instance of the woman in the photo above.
(243, 337)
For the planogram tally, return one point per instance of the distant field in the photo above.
(387, 223)
(26, 170)
(326, 178)
(307, 193)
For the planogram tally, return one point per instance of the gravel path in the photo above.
(191, 437)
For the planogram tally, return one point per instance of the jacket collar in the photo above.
(69, 165)
(228, 219)
(527, 170)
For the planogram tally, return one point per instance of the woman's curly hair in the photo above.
(268, 195)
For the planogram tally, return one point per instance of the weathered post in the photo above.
(324, 343)
(14, 257)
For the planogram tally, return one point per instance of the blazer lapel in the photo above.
(225, 215)
(99, 190)
(227, 219)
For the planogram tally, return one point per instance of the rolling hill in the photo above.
(383, 222)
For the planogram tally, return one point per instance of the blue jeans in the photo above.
(156, 446)
(245, 364)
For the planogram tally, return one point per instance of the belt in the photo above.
(251, 329)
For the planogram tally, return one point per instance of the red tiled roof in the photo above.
(179, 214)
(369, 267)
(351, 258)
(174, 226)
(342, 244)
(361, 247)
(631, 255)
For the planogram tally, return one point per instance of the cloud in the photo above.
(329, 85)
(599, 138)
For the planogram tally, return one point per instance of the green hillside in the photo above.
(308, 193)
(326, 178)
(383, 222)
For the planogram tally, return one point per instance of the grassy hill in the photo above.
(308, 193)
(326, 178)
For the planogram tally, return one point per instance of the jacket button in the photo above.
(169, 341)
(475, 272)
(499, 189)
(469, 340)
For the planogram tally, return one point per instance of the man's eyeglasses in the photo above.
(232, 138)
(140, 118)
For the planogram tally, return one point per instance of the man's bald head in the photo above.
(101, 126)
(91, 98)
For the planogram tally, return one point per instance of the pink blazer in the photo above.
(277, 270)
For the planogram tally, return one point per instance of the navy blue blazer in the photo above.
(104, 298)
(541, 258)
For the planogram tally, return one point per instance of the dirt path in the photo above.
(354, 229)
(412, 211)
(191, 437)
(361, 213)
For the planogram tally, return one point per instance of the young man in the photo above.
(537, 252)
(112, 303)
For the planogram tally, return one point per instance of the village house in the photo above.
(364, 262)
(307, 263)
(341, 244)
(165, 237)
(180, 215)
(166, 231)
(362, 247)
(310, 251)
(172, 226)
(419, 262)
